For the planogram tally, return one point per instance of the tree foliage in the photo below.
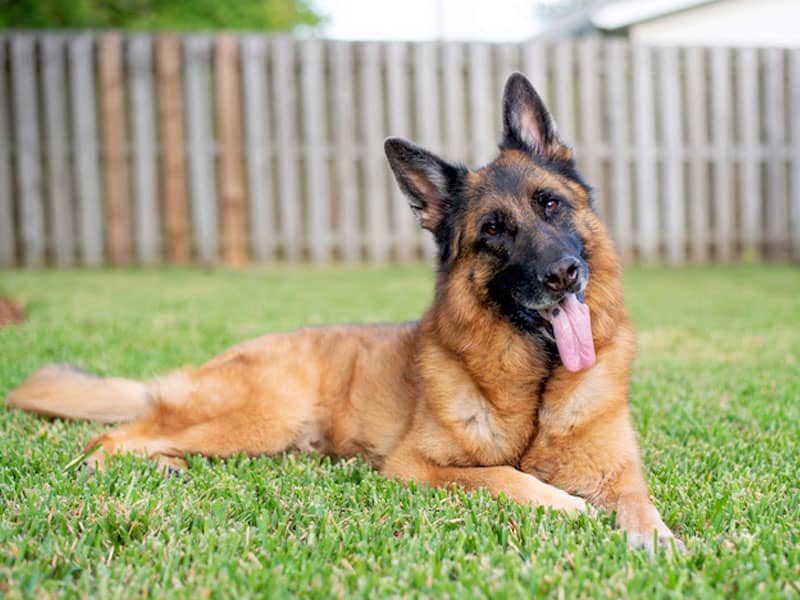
(177, 15)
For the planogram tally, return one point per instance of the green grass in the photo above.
(716, 402)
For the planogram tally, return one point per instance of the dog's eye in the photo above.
(492, 228)
(547, 201)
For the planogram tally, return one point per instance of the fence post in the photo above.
(673, 191)
(143, 137)
(645, 156)
(777, 214)
(591, 112)
(227, 85)
(8, 240)
(283, 86)
(115, 148)
(749, 142)
(316, 139)
(397, 101)
(481, 124)
(535, 61)
(563, 109)
(507, 61)
(84, 147)
(259, 147)
(697, 121)
(200, 146)
(59, 183)
(794, 102)
(620, 213)
(172, 163)
(346, 156)
(375, 173)
(29, 157)
(721, 140)
(426, 110)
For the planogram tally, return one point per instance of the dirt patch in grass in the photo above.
(10, 312)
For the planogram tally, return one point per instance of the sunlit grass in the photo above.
(716, 401)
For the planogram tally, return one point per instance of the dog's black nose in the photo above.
(561, 274)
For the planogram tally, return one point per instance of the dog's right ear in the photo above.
(527, 124)
(430, 183)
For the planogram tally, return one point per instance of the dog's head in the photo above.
(515, 231)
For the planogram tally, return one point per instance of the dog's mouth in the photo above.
(569, 323)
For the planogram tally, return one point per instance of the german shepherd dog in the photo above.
(515, 379)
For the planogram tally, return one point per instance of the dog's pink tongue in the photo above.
(573, 331)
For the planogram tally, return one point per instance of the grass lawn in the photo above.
(716, 402)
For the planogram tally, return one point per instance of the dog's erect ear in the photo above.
(430, 183)
(527, 125)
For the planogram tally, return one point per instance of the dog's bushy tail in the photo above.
(67, 392)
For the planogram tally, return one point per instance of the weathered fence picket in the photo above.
(482, 125)
(673, 194)
(507, 60)
(397, 101)
(346, 157)
(137, 148)
(777, 214)
(620, 209)
(375, 197)
(426, 109)
(283, 88)
(174, 187)
(590, 116)
(534, 65)
(200, 147)
(7, 230)
(28, 159)
(143, 146)
(85, 149)
(697, 125)
(114, 148)
(59, 182)
(722, 122)
(564, 106)
(749, 169)
(259, 150)
(794, 168)
(231, 165)
(315, 139)
(647, 222)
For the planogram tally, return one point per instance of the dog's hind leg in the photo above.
(222, 437)
(218, 411)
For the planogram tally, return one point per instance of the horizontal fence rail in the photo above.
(138, 149)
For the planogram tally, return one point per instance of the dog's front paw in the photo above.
(572, 505)
(652, 541)
(92, 464)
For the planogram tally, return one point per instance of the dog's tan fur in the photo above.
(460, 397)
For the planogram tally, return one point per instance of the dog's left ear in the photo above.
(430, 183)
(527, 124)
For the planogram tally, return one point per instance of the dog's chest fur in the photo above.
(488, 432)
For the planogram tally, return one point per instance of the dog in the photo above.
(514, 380)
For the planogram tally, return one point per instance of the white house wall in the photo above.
(729, 23)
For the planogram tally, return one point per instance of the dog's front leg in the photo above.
(516, 485)
(627, 496)
(603, 466)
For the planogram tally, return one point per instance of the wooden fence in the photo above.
(143, 149)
